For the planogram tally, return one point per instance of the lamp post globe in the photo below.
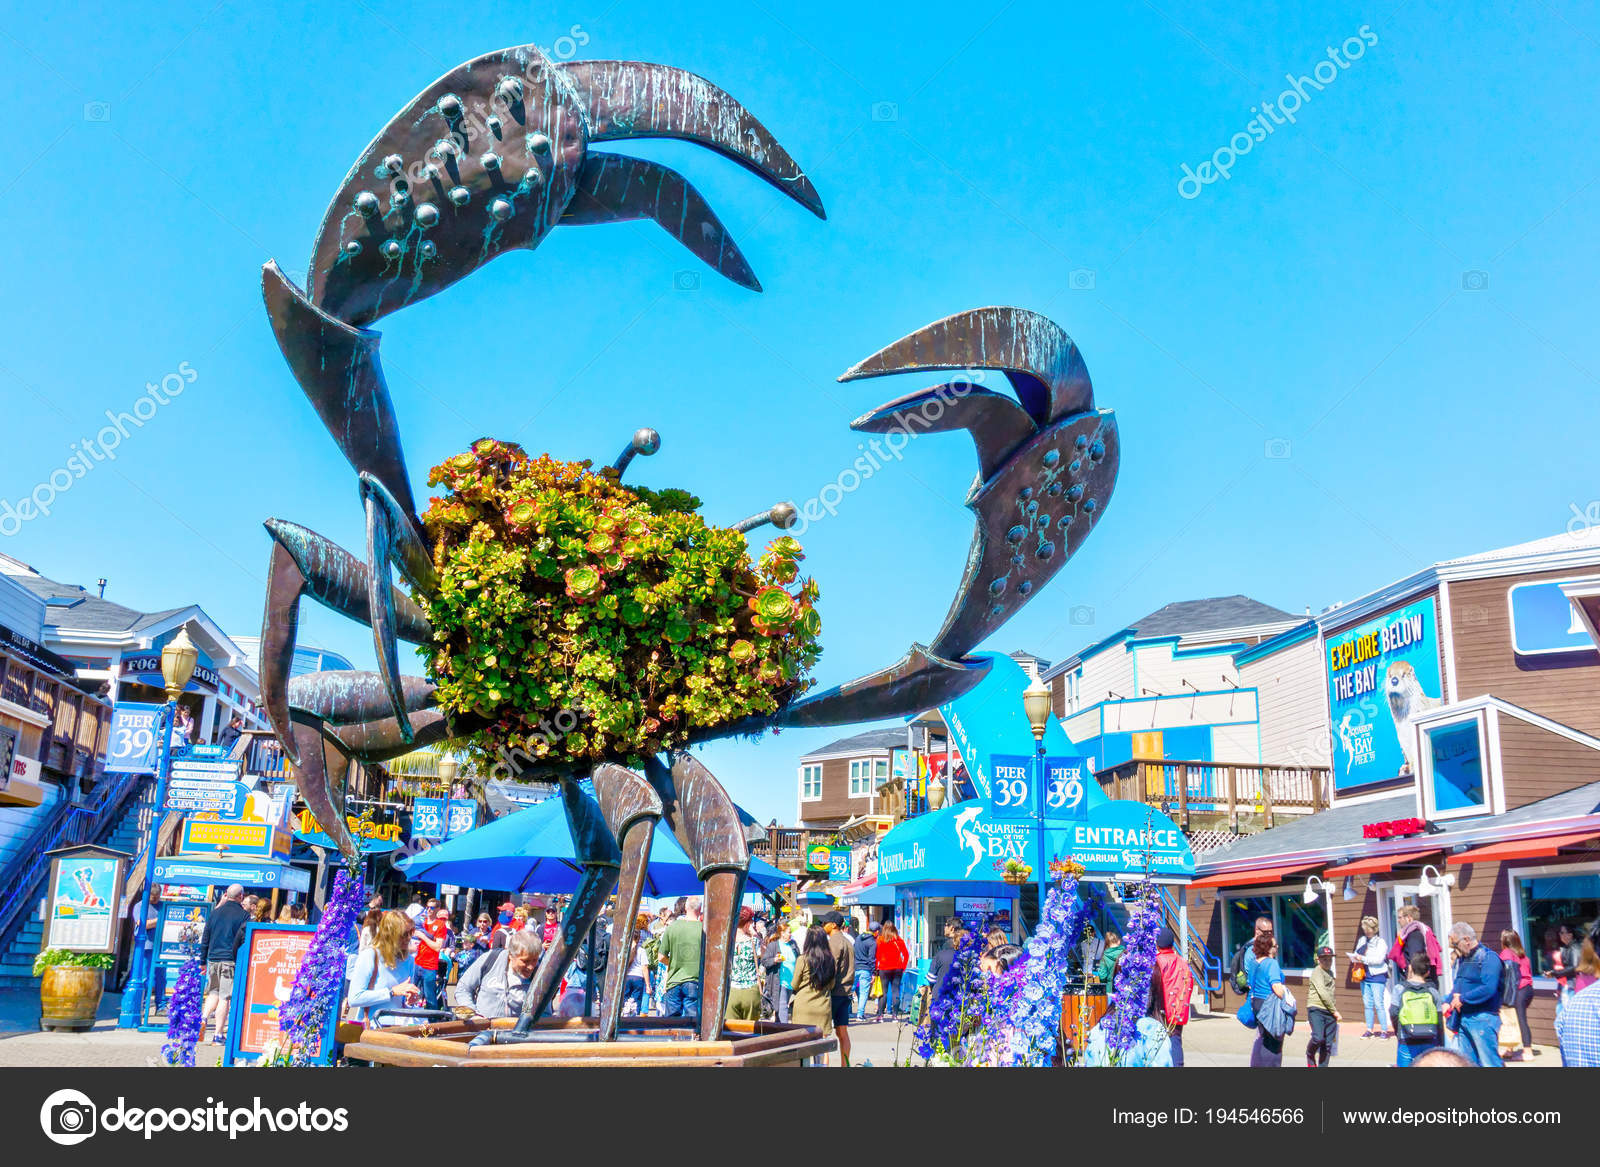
(178, 660)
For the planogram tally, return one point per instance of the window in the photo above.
(861, 776)
(810, 783)
(1296, 924)
(880, 772)
(1455, 767)
(1545, 898)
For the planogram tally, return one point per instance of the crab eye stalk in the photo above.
(644, 441)
(781, 516)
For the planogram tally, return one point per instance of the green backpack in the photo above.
(1419, 1016)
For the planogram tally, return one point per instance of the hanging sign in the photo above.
(1014, 793)
(135, 739)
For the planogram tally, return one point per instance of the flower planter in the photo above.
(69, 997)
(1017, 877)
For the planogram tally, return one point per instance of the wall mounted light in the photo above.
(1312, 894)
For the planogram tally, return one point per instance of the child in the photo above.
(1416, 1015)
(1322, 1012)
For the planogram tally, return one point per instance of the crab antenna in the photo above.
(644, 441)
(781, 516)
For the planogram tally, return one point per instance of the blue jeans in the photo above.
(1375, 1003)
(1406, 1052)
(428, 982)
(863, 992)
(1478, 1038)
(682, 1000)
(1176, 1042)
(633, 990)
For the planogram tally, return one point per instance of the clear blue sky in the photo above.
(1314, 304)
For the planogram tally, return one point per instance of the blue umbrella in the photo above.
(532, 850)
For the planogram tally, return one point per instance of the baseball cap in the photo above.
(874, 926)
(1324, 951)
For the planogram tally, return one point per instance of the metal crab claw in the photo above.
(391, 539)
(644, 441)
(436, 195)
(1047, 466)
(781, 515)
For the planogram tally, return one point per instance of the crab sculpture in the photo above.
(426, 205)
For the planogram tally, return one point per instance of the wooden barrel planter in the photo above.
(69, 997)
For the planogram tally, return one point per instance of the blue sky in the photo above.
(1368, 348)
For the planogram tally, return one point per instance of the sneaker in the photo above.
(1367, 1033)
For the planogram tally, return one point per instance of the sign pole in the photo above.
(135, 995)
(1043, 873)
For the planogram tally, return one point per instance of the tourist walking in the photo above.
(1371, 957)
(893, 956)
(636, 967)
(430, 938)
(384, 976)
(678, 951)
(1513, 953)
(844, 953)
(1266, 980)
(814, 975)
(744, 976)
(1417, 1014)
(778, 958)
(866, 967)
(1322, 1012)
(1475, 997)
(497, 985)
(219, 941)
(1177, 989)
(1108, 957)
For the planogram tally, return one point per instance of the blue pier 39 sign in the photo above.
(1012, 792)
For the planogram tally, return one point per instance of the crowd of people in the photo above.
(1402, 999)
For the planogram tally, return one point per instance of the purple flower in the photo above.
(183, 1011)
(1032, 1017)
(1130, 993)
(303, 1018)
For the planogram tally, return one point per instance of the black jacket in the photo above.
(602, 952)
(867, 954)
(224, 930)
(940, 965)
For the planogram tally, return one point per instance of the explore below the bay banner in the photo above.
(1118, 840)
(371, 835)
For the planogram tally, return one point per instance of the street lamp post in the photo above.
(178, 660)
(1036, 703)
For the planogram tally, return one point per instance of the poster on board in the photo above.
(1382, 675)
(83, 892)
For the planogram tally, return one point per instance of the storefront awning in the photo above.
(1523, 848)
(867, 895)
(1376, 864)
(1242, 878)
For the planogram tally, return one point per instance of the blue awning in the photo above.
(879, 895)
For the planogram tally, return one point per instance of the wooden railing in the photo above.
(1219, 790)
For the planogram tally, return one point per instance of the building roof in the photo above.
(1339, 829)
(1187, 617)
(72, 606)
(861, 743)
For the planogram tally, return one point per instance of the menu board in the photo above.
(269, 960)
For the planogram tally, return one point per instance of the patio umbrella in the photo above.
(532, 850)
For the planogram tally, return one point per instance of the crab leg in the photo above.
(601, 860)
(631, 807)
(322, 765)
(389, 531)
(709, 826)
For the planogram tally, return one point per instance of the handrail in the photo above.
(1218, 788)
(1205, 962)
(73, 824)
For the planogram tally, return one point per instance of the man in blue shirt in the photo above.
(1475, 1000)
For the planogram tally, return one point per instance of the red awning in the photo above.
(1523, 848)
(1241, 878)
(1378, 863)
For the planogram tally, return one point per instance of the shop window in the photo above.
(1457, 777)
(1296, 924)
(810, 783)
(1547, 899)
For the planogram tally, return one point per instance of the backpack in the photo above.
(1236, 973)
(1418, 1019)
(1510, 978)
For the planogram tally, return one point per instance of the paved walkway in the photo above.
(1217, 1040)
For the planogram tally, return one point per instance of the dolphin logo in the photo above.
(969, 838)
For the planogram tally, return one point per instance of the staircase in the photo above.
(1209, 971)
(117, 815)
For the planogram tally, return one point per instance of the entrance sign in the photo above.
(135, 738)
(269, 960)
(83, 894)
